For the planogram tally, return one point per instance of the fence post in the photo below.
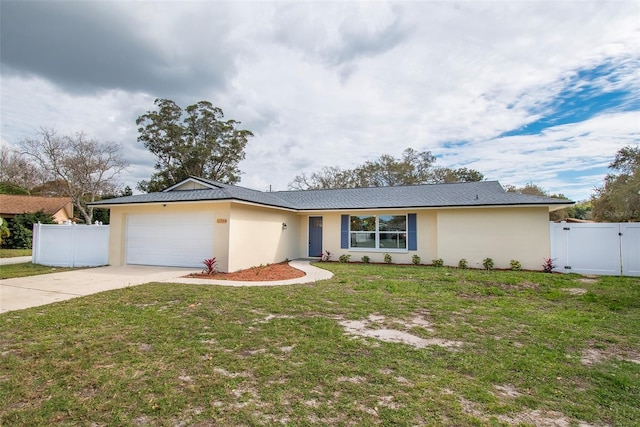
(35, 244)
(72, 252)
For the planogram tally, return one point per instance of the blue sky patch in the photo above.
(585, 95)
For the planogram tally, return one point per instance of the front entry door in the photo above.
(315, 236)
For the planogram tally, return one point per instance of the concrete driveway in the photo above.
(33, 291)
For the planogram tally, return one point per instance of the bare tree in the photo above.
(19, 170)
(87, 167)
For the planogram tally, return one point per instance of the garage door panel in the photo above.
(180, 240)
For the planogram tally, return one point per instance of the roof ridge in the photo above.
(391, 186)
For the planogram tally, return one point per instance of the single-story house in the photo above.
(60, 208)
(198, 219)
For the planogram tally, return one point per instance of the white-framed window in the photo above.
(384, 232)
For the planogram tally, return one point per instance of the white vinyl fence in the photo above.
(72, 245)
(596, 248)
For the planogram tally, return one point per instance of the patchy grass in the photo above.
(376, 345)
(12, 253)
(28, 269)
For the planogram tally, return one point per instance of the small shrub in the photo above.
(463, 263)
(210, 265)
(344, 258)
(259, 268)
(515, 265)
(438, 262)
(387, 258)
(20, 229)
(548, 265)
(415, 260)
(4, 230)
(365, 259)
(487, 263)
(326, 256)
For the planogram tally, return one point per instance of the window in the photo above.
(378, 232)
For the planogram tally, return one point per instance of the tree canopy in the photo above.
(412, 168)
(76, 166)
(531, 189)
(619, 198)
(194, 141)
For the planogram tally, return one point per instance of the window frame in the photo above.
(377, 232)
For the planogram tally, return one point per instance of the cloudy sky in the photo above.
(543, 92)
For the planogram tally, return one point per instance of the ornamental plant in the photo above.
(415, 260)
(548, 265)
(210, 265)
(387, 258)
(515, 265)
(326, 256)
(344, 258)
(487, 263)
(438, 262)
(463, 264)
(365, 259)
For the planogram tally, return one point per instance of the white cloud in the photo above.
(337, 83)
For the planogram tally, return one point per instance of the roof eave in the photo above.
(166, 202)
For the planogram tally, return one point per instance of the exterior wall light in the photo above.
(284, 225)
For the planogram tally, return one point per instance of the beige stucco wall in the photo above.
(426, 233)
(258, 237)
(503, 234)
(118, 217)
(247, 235)
(64, 214)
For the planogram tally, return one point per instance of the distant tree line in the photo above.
(412, 168)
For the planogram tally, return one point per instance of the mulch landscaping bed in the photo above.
(264, 273)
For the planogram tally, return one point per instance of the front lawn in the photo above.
(28, 269)
(12, 253)
(376, 345)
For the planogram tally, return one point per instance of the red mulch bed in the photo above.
(266, 273)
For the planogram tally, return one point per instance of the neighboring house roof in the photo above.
(11, 204)
(467, 194)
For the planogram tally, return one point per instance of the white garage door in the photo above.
(176, 240)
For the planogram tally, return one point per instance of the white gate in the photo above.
(596, 248)
(630, 247)
(62, 245)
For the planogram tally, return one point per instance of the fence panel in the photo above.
(596, 248)
(630, 246)
(70, 245)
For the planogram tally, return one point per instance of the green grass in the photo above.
(12, 253)
(532, 352)
(24, 269)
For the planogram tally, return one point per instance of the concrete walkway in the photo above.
(15, 260)
(33, 291)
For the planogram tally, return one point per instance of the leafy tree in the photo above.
(9, 188)
(21, 229)
(535, 190)
(102, 215)
(446, 175)
(581, 210)
(195, 141)
(412, 168)
(85, 168)
(619, 198)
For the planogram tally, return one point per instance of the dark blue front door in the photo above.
(315, 236)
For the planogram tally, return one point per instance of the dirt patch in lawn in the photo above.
(369, 328)
(262, 273)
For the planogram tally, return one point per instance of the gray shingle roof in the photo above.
(483, 193)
